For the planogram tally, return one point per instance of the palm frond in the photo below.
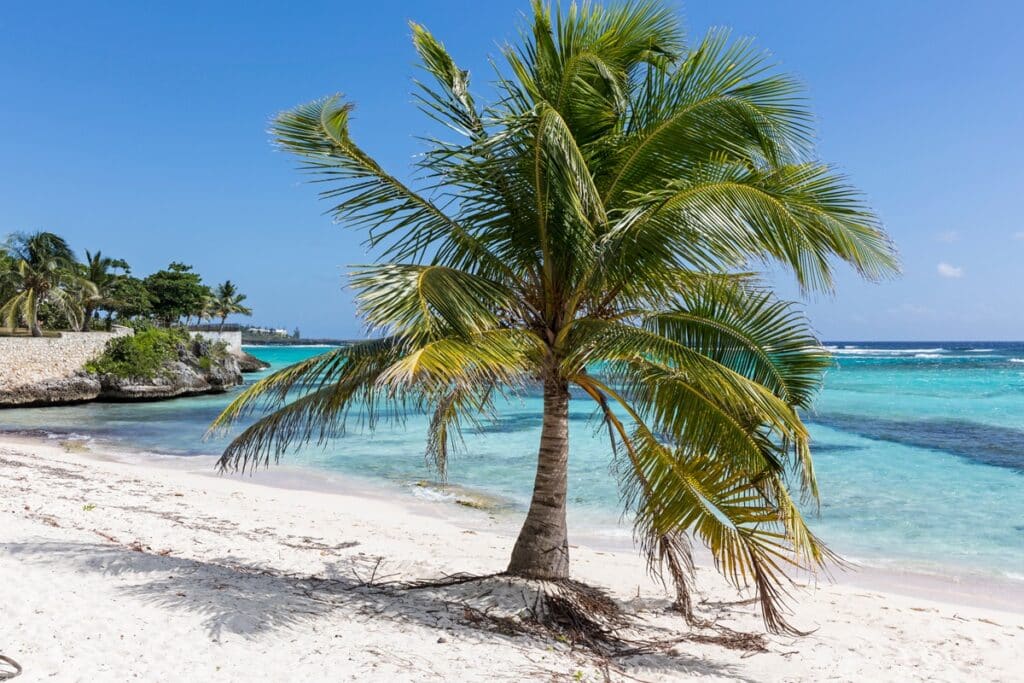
(462, 403)
(421, 302)
(751, 332)
(724, 215)
(721, 100)
(746, 520)
(453, 105)
(691, 397)
(505, 357)
(327, 386)
(402, 223)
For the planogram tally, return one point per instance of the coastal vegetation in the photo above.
(38, 271)
(142, 354)
(163, 362)
(43, 285)
(45, 289)
(594, 233)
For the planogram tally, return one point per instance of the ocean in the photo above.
(919, 449)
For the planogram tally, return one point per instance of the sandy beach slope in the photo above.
(115, 571)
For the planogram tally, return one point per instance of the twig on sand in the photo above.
(448, 580)
(106, 536)
(751, 643)
(373, 582)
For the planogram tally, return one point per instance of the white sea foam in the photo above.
(290, 346)
(979, 350)
(68, 436)
(1017, 360)
(848, 351)
(927, 355)
(432, 494)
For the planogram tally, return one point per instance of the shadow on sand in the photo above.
(238, 598)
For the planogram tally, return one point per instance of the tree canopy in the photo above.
(176, 292)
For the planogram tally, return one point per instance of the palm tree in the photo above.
(226, 301)
(592, 232)
(42, 271)
(208, 310)
(97, 270)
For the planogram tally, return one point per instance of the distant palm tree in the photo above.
(590, 234)
(208, 310)
(42, 270)
(227, 300)
(97, 269)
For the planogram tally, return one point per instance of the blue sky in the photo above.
(140, 129)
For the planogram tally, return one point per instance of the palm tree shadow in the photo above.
(239, 598)
(232, 596)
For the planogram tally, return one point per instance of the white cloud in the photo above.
(946, 270)
(949, 236)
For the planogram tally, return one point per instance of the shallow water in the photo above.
(919, 450)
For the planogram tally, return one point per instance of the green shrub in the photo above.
(137, 324)
(143, 354)
(218, 350)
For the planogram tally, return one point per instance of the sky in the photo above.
(140, 129)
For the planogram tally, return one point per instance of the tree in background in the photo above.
(99, 270)
(227, 300)
(594, 231)
(41, 270)
(7, 264)
(128, 297)
(176, 293)
(41, 284)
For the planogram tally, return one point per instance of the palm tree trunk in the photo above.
(542, 549)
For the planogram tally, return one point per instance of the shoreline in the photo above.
(953, 584)
(184, 574)
(956, 585)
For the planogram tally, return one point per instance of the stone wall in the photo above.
(233, 338)
(29, 360)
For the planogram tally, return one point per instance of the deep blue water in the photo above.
(919, 449)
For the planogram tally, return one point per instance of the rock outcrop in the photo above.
(194, 372)
(248, 362)
(52, 391)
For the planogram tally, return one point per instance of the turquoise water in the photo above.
(919, 450)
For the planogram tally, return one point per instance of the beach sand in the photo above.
(118, 571)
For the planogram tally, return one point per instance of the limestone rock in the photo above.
(250, 363)
(53, 391)
(185, 377)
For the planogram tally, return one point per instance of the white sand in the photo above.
(111, 571)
